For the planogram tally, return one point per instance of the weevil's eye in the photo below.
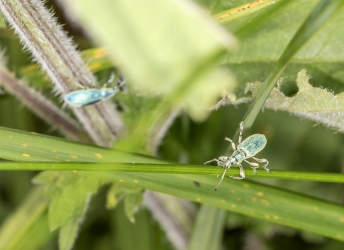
(222, 158)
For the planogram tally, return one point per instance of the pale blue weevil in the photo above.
(84, 97)
(246, 149)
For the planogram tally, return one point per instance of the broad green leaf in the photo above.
(111, 198)
(321, 55)
(132, 197)
(318, 17)
(69, 195)
(252, 199)
(131, 204)
(268, 43)
(179, 65)
(208, 237)
(68, 233)
(317, 104)
(258, 44)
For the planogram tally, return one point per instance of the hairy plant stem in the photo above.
(42, 107)
(57, 55)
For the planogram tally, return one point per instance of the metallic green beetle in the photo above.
(246, 149)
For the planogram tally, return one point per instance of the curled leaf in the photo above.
(309, 102)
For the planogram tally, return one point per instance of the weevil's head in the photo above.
(107, 93)
(222, 160)
(229, 161)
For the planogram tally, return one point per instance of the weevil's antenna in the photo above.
(223, 175)
(110, 80)
(215, 159)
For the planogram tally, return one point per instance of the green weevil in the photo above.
(85, 97)
(245, 150)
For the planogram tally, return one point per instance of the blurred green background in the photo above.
(294, 144)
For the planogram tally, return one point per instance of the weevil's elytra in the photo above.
(84, 97)
(251, 146)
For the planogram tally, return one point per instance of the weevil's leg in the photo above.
(223, 175)
(241, 129)
(261, 161)
(254, 166)
(110, 80)
(121, 82)
(233, 144)
(241, 173)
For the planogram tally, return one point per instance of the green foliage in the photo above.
(69, 196)
(132, 197)
(178, 61)
(190, 56)
(317, 104)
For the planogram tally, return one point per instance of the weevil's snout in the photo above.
(221, 160)
(228, 164)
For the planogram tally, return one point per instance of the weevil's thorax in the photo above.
(107, 92)
(236, 157)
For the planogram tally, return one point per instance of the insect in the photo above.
(84, 97)
(245, 150)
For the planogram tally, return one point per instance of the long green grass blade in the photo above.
(245, 197)
(167, 168)
(22, 146)
(16, 228)
(38, 152)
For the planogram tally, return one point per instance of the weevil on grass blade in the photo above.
(251, 146)
(84, 97)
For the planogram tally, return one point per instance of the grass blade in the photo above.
(208, 237)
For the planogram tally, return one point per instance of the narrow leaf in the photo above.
(68, 234)
(245, 197)
(18, 225)
(208, 237)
